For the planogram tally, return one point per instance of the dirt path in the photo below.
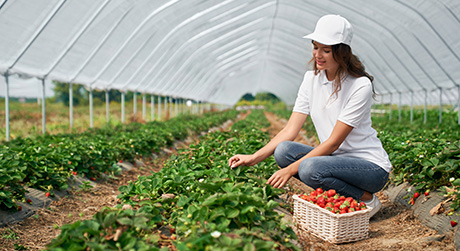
(392, 228)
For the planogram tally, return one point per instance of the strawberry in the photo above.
(19, 208)
(453, 223)
(121, 161)
(93, 179)
(416, 194)
(304, 197)
(29, 201)
(331, 193)
(427, 192)
(319, 190)
(321, 200)
(47, 194)
(70, 162)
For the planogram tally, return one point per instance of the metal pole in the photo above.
(7, 108)
(159, 108)
(70, 105)
(412, 106)
(399, 107)
(176, 107)
(43, 108)
(122, 107)
(391, 105)
(107, 103)
(144, 106)
(166, 105)
(152, 106)
(440, 105)
(91, 113)
(458, 105)
(425, 109)
(134, 103)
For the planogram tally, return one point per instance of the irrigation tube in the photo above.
(43, 108)
(71, 105)
(91, 120)
(7, 108)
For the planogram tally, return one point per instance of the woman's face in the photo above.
(324, 59)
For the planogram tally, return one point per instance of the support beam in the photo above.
(134, 103)
(152, 108)
(440, 105)
(412, 106)
(425, 116)
(43, 107)
(107, 104)
(91, 110)
(399, 107)
(122, 107)
(7, 108)
(159, 108)
(71, 106)
(144, 106)
(458, 104)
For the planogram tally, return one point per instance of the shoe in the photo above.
(374, 204)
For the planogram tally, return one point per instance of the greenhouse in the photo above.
(151, 99)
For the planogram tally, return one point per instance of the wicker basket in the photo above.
(334, 228)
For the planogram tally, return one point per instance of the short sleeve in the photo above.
(302, 103)
(359, 103)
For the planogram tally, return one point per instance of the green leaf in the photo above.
(232, 212)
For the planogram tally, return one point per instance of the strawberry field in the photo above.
(196, 202)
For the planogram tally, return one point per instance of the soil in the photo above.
(394, 227)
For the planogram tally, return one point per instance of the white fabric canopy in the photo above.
(218, 50)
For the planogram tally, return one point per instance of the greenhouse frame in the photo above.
(216, 51)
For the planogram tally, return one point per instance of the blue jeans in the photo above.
(348, 176)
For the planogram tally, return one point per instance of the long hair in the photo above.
(349, 64)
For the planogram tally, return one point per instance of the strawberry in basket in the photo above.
(333, 202)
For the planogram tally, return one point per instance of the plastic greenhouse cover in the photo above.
(218, 50)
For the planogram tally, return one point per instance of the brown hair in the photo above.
(349, 64)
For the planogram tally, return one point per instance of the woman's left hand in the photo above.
(280, 177)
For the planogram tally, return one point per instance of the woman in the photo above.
(337, 95)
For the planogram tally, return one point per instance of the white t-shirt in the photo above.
(352, 106)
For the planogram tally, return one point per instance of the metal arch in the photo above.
(432, 28)
(146, 60)
(165, 6)
(182, 24)
(101, 43)
(34, 37)
(190, 56)
(389, 32)
(76, 37)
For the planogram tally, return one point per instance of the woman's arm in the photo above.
(289, 132)
(338, 135)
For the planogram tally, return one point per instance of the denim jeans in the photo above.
(348, 176)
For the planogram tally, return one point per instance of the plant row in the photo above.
(47, 162)
(197, 198)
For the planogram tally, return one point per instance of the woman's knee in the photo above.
(310, 173)
(281, 153)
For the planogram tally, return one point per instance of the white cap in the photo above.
(332, 29)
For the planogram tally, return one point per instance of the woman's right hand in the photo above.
(242, 160)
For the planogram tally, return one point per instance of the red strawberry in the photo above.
(29, 201)
(19, 208)
(304, 197)
(47, 194)
(416, 194)
(70, 162)
(319, 190)
(93, 179)
(121, 161)
(453, 223)
(330, 193)
(427, 192)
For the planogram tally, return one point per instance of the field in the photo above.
(192, 200)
